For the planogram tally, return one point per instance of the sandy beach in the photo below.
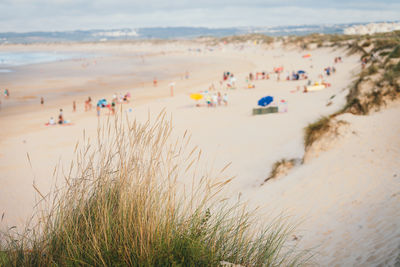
(346, 194)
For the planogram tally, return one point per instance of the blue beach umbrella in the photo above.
(102, 103)
(265, 101)
(301, 72)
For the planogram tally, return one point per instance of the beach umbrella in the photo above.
(265, 101)
(196, 96)
(301, 72)
(102, 102)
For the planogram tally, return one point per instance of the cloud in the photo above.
(28, 15)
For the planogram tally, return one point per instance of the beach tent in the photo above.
(265, 101)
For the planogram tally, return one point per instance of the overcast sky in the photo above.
(53, 15)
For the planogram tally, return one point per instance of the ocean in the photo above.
(25, 58)
(8, 60)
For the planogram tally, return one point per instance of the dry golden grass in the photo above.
(135, 197)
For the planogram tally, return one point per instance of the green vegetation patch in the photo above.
(395, 53)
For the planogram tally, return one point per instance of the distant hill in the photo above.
(165, 33)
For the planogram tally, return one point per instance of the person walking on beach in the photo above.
(42, 101)
(98, 110)
(74, 106)
(155, 82)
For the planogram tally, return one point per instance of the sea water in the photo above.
(12, 59)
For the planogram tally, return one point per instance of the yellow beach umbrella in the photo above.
(196, 96)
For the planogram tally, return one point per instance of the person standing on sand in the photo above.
(86, 105)
(214, 98)
(113, 107)
(155, 82)
(208, 100)
(42, 101)
(225, 99)
(98, 110)
(74, 106)
(60, 117)
(171, 87)
(251, 78)
(219, 99)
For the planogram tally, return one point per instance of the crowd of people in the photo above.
(102, 103)
(211, 97)
(60, 120)
(229, 79)
(215, 99)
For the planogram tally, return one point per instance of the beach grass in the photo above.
(314, 130)
(280, 167)
(125, 203)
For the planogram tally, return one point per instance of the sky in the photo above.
(60, 15)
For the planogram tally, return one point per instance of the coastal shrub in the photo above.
(137, 197)
(375, 99)
(366, 43)
(355, 107)
(395, 53)
(281, 167)
(372, 69)
(354, 48)
(384, 53)
(262, 38)
(391, 75)
(385, 43)
(314, 130)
